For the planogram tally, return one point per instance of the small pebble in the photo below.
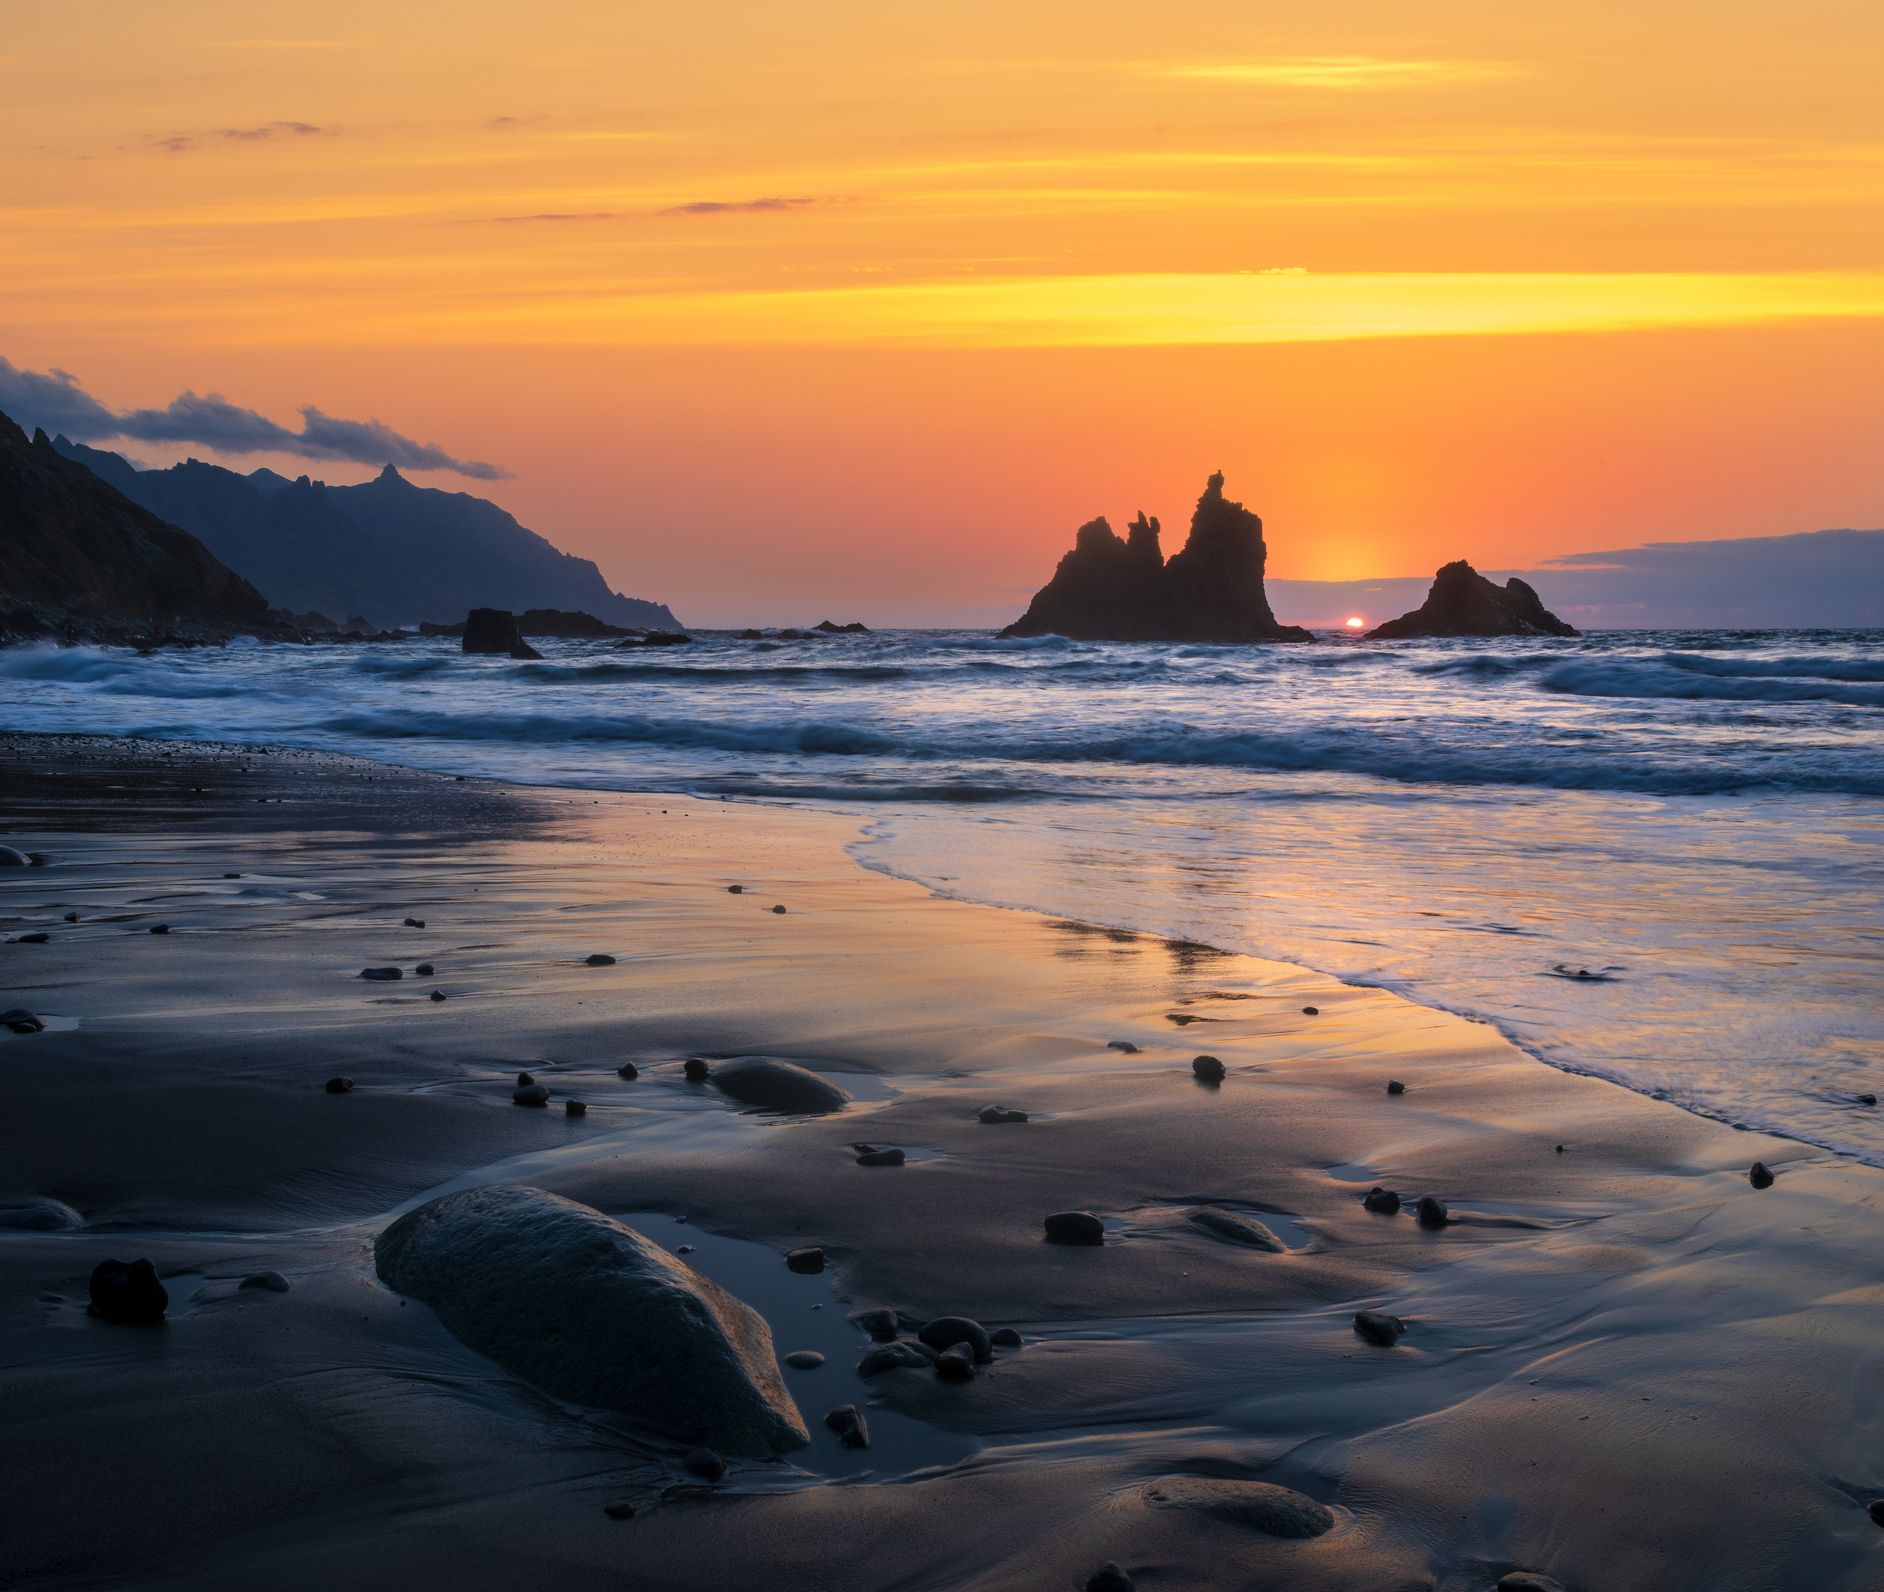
(1381, 1201)
(735, 889)
(423, 970)
(340, 1086)
(1760, 1175)
(704, 1463)
(575, 1108)
(994, 1115)
(849, 1424)
(524, 1080)
(438, 995)
(889, 1156)
(1006, 1338)
(270, 1281)
(1124, 1046)
(1207, 1069)
(946, 1332)
(1110, 1578)
(881, 1324)
(956, 1364)
(415, 923)
(1395, 1087)
(378, 975)
(1867, 1099)
(1311, 1011)
(780, 911)
(1432, 1211)
(37, 937)
(530, 1095)
(1075, 1227)
(598, 960)
(1376, 1326)
(628, 1070)
(898, 1356)
(808, 1260)
(160, 928)
(621, 1511)
(694, 1069)
(684, 1249)
(71, 917)
(804, 1359)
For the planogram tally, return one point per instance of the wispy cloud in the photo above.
(55, 400)
(1342, 71)
(559, 215)
(262, 132)
(727, 207)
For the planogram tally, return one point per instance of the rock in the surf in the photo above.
(1395, 1087)
(804, 1359)
(809, 1260)
(898, 1356)
(1074, 1227)
(495, 631)
(1207, 1069)
(1381, 1201)
(853, 1431)
(592, 1312)
(42, 1214)
(265, 1282)
(599, 959)
(946, 1331)
(18, 1020)
(1376, 1326)
(704, 1463)
(530, 1094)
(1006, 1338)
(1528, 1581)
(1235, 1228)
(628, 1070)
(881, 1324)
(340, 1086)
(694, 1070)
(956, 1364)
(128, 1292)
(1432, 1211)
(377, 975)
(774, 1085)
(879, 1155)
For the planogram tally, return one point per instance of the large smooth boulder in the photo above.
(774, 1085)
(1463, 602)
(588, 1310)
(494, 630)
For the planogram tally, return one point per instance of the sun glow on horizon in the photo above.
(1355, 622)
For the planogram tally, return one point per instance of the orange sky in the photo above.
(1499, 280)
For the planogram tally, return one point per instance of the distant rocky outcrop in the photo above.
(1463, 602)
(494, 630)
(558, 623)
(855, 628)
(79, 560)
(385, 548)
(1113, 589)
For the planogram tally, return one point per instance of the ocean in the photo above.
(1653, 856)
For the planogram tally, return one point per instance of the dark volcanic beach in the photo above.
(1623, 1365)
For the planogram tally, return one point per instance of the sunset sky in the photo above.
(780, 311)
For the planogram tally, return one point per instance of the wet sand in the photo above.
(1624, 1367)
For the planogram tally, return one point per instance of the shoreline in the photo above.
(1623, 1331)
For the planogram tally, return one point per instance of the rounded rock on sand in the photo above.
(735, 889)
(1865, 1099)
(853, 1431)
(339, 1086)
(437, 995)
(1377, 1326)
(1006, 1338)
(130, 1293)
(995, 1116)
(694, 1070)
(19, 1020)
(10, 857)
(1123, 1046)
(1207, 1069)
(164, 928)
(956, 1364)
(71, 917)
(808, 1260)
(1381, 1201)
(1311, 1011)
(804, 1359)
(415, 923)
(423, 970)
(265, 1282)
(1432, 1211)
(599, 959)
(575, 1108)
(36, 937)
(42, 1214)
(1074, 1227)
(531, 1094)
(773, 1085)
(780, 911)
(1395, 1087)
(899, 1356)
(1760, 1175)
(524, 1080)
(1110, 1578)
(1528, 1581)
(619, 1511)
(881, 1324)
(887, 1156)
(628, 1070)
(704, 1463)
(945, 1332)
(1255, 1505)
(376, 975)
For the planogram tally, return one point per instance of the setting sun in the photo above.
(1355, 622)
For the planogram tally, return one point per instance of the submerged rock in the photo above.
(266, 1282)
(706, 1464)
(778, 1085)
(130, 1293)
(1235, 1228)
(1395, 1087)
(591, 1311)
(575, 1108)
(628, 1070)
(946, 1331)
(1376, 1326)
(12, 857)
(1123, 1046)
(1075, 1227)
(694, 1070)
(898, 1356)
(853, 1431)
(1257, 1505)
(872, 1155)
(1006, 1338)
(599, 959)
(1463, 602)
(881, 1324)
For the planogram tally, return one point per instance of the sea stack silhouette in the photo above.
(1463, 602)
(1113, 589)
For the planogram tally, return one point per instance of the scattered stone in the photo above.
(1760, 1175)
(340, 1086)
(849, 1424)
(71, 917)
(870, 1155)
(1395, 1087)
(1381, 1201)
(266, 1281)
(438, 994)
(378, 975)
(683, 1249)
(996, 1115)
(164, 928)
(530, 1094)
(1867, 1099)
(1110, 1578)
(423, 970)
(41, 1214)
(780, 911)
(1560, 1149)
(1207, 1068)
(10, 858)
(232, 876)
(704, 1463)
(809, 1260)
(592, 1312)
(525, 1079)
(1236, 1228)
(628, 1070)
(778, 1085)
(598, 960)
(1006, 1338)
(1258, 1505)
(956, 1364)
(896, 1356)
(415, 923)
(804, 1359)
(130, 1293)
(1311, 1011)
(18, 1020)
(735, 889)
(1376, 1326)
(1124, 1046)
(881, 1324)
(695, 1070)
(1075, 1227)
(946, 1331)
(619, 1511)
(1432, 1211)
(1528, 1581)
(37, 937)
(575, 1108)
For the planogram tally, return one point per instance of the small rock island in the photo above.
(1463, 602)
(1113, 589)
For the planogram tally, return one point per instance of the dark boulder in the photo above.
(1376, 1326)
(956, 1364)
(530, 1094)
(1235, 1228)
(809, 1260)
(882, 1324)
(898, 1356)
(855, 628)
(1432, 1211)
(566, 624)
(1110, 1578)
(599, 959)
(18, 1020)
(494, 631)
(130, 1293)
(1075, 1227)
(1760, 1175)
(1463, 602)
(1113, 589)
(946, 1331)
(774, 1085)
(997, 1116)
(379, 975)
(1208, 1069)
(704, 1463)
(853, 1431)
(1381, 1201)
(340, 1086)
